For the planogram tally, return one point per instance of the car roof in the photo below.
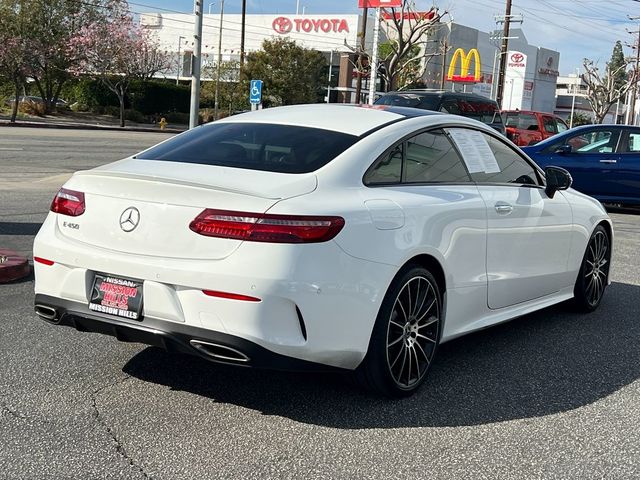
(346, 118)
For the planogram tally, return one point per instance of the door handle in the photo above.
(608, 160)
(503, 208)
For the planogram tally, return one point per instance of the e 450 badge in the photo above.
(74, 226)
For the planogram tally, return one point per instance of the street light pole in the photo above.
(210, 5)
(632, 103)
(330, 72)
(180, 38)
(219, 60)
(573, 102)
(196, 59)
(373, 76)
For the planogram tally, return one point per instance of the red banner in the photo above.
(379, 3)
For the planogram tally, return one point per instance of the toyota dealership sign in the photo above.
(286, 25)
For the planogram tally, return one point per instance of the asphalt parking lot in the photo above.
(551, 395)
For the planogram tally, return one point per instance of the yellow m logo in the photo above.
(464, 66)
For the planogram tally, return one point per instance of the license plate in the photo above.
(120, 297)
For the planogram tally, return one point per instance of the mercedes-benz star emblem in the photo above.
(129, 219)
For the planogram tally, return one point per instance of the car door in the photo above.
(627, 175)
(422, 200)
(528, 234)
(590, 155)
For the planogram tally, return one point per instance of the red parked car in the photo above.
(528, 128)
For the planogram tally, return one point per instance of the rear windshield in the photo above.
(426, 102)
(254, 146)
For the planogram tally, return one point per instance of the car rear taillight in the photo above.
(264, 227)
(68, 202)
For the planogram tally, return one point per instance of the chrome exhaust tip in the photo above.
(47, 313)
(219, 352)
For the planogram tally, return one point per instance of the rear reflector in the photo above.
(43, 261)
(230, 296)
(68, 202)
(264, 227)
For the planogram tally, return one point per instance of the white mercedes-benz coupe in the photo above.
(319, 237)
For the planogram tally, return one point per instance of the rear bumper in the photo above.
(173, 337)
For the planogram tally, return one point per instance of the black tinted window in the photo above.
(522, 121)
(426, 102)
(430, 157)
(254, 146)
(484, 111)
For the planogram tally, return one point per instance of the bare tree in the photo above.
(405, 55)
(604, 89)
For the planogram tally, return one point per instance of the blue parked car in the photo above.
(604, 160)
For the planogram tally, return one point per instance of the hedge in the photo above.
(153, 97)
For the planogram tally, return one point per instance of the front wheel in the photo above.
(594, 272)
(405, 336)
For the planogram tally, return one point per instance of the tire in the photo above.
(405, 336)
(594, 272)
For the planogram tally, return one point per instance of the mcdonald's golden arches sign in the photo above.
(465, 63)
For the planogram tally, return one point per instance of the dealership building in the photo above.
(530, 82)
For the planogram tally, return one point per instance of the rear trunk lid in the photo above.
(145, 207)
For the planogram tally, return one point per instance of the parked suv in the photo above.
(464, 104)
(528, 128)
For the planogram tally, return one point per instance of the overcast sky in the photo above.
(576, 28)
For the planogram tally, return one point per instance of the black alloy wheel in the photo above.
(594, 273)
(406, 335)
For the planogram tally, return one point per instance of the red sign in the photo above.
(379, 3)
(284, 25)
(410, 15)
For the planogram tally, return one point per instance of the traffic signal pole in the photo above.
(503, 54)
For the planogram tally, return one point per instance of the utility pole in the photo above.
(634, 89)
(195, 71)
(503, 53)
(219, 61)
(242, 34)
(361, 54)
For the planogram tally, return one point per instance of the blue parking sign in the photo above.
(255, 93)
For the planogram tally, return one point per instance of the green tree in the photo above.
(232, 94)
(618, 64)
(292, 74)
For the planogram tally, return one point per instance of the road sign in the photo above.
(379, 3)
(255, 93)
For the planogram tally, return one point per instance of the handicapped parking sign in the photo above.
(255, 92)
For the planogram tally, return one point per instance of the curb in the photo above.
(85, 126)
(13, 266)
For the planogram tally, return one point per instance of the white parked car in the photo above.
(321, 237)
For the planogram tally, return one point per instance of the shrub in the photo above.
(133, 116)
(177, 118)
(79, 107)
(157, 97)
(31, 108)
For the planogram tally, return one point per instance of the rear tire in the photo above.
(594, 272)
(405, 336)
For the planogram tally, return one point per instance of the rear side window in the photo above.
(430, 157)
(522, 121)
(254, 146)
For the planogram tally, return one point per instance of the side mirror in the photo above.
(557, 179)
(564, 149)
